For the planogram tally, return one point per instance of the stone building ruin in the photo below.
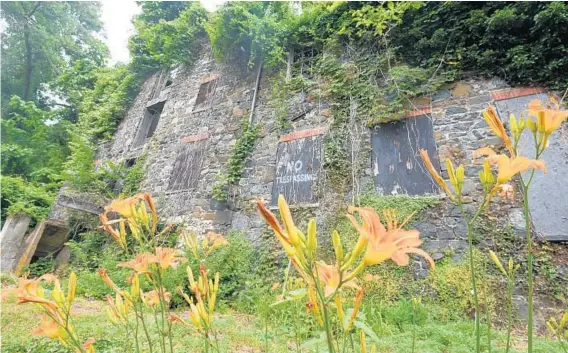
(186, 121)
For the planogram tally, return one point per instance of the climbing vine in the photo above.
(241, 151)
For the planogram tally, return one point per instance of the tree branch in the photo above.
(34, 10)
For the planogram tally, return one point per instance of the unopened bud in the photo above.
(531, 125)
(451, 173)
(337, 246)
(312, 239)
(513, 125)
(497, 262)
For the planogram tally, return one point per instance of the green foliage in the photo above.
(20, 195)
(450, 284)
(41, 39)
(167, 33)
(40, 266)
(34, 141)
(235, 263)
(258, 28)
(103, 106)
(279, 94)
(241, 151)
(520, 42)
(134, 177)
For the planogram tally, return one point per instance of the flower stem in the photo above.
(529, 263)
(326, 320)
(509, 310)
(472, 270)
(414, 329)
(474, 286)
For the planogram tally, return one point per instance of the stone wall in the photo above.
(192, 144)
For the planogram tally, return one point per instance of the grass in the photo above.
(241, 333)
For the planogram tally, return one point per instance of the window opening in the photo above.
(149, 123)
(205, 94)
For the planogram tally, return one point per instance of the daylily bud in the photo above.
(357, 304)
(58, 296)
(312, 242)
(564, 319)
(135, 288)
(362, 342)
(510, 265)
(71, 288)
(531, 125)
(216, 285)
(339, 307)
(513, 125)
(551, 328)
(541, 122)
(337, 246)
(451, 173)
(497, 262)
(460, 173)
(521, 124)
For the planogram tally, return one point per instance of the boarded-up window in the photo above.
(187, 167)
(162, 81)
(397, 166)
(149, 123)
(298, 164)
(205, 95)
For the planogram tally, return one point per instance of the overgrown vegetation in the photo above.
(235, 166)
(371, 61)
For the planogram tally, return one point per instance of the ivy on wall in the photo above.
(235, 166)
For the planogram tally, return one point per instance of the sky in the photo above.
(117, 18)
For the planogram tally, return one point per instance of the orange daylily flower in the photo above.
(152, 297)
(48, 328)
(212, 241)
(329, 275)
(153, 210)
(124, 207)
(356, 306)
(27, 298)
(392, 242)
(492, 119)
(25, 287)
(509, 167)
(140, 263)
(437, 178)
(549, 119)
(166, 257)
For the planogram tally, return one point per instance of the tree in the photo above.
(41, 39)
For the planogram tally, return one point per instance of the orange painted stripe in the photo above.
(515, 92)
(195, 138)
(302, 134)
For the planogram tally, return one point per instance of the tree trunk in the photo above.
(29, 67)
(29, 56)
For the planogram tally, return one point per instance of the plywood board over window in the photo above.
(187, 167)
(206, 92)
(298, 166)
(148, 124)
(548, 196)
(397, 166)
